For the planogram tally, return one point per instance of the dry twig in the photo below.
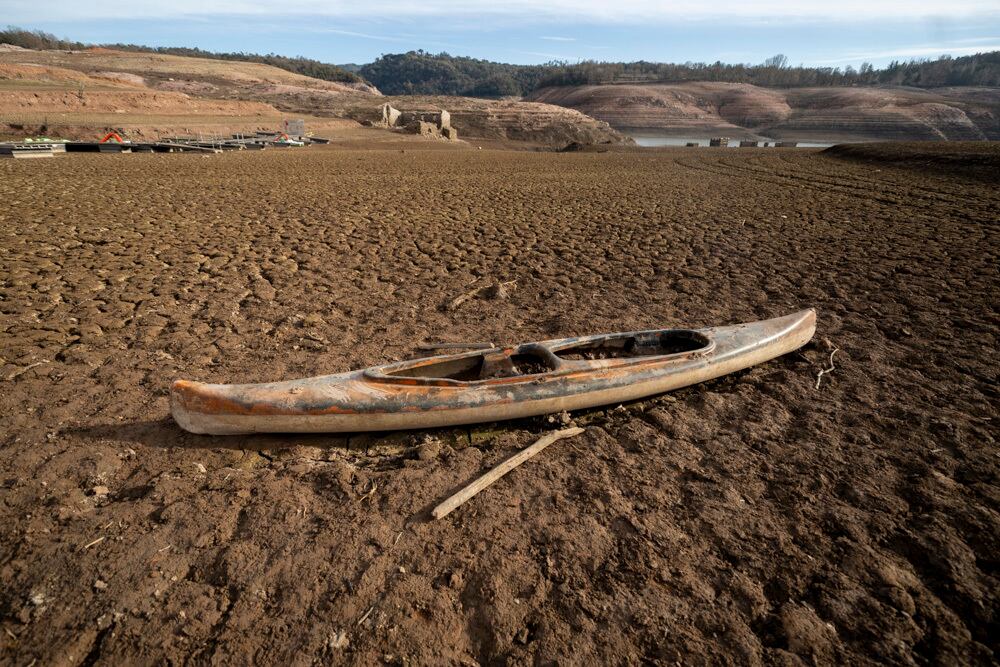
(95, 542)
(462, 298)
(824, 371)
(370, 492)
(21, 371)
(367, 614)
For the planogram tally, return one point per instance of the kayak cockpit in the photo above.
(477, 366)
(531, 360)
(641, 344)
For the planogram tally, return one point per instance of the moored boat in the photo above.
(490, 385)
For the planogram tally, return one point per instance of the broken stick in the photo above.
(450, 505)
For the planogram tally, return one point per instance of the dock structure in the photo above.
(748, 143)
(294, 128)
(718, 142)
(26, 150)
(236, 142)
(97, 147)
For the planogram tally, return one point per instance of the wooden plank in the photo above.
(452, 503)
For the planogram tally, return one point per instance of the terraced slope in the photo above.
(802, 113)
(178, 73)
(82, 94)
(85, 92)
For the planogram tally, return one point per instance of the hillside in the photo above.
(419, 72)
(181, 73)
(835, 113)
(80, 93)
(499, 120)
(42, 41)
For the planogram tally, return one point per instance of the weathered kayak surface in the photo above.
(489, 385)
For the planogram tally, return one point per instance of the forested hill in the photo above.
(422, 73)
(418, 72)
(299, 65)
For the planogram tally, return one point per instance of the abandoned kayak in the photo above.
(489, 385)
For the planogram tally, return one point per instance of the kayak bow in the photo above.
(489, 385)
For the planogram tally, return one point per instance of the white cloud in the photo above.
(625, 11)
(560, 39)
(401, 39)
(907, 52)
(362, 35)
(551, 56)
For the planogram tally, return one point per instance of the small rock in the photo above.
(522, 636)
(900, 599)
(100, 490)
(402, 570)
(429, 450)
(100, 585)
(338, 640)
(496, 291)
(201, 468)
(454, 580)
(313, 320)
(37, 599)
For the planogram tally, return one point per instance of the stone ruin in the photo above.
(390, 116)
(424, 123)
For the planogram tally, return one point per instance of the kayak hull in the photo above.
(411, 395)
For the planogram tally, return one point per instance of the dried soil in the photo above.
(755, 519)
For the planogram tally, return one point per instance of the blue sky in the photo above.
(841, 33)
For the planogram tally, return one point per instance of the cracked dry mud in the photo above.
(754, 519)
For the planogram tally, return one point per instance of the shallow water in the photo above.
(652, 140)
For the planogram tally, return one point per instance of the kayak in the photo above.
(489, 385)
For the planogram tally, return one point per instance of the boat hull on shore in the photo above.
(489, 385)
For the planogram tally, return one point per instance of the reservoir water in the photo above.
(651, 140)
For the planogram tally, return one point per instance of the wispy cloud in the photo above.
(362, 35)
(624, 11)
(399, 39)
(550, 56)
(921, 51)
(560, 39)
